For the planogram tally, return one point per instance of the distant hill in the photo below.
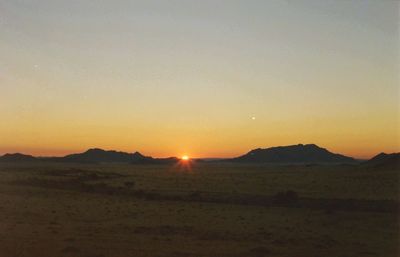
(309, 153)
(138, 158)
(17, 157)
(385, 161)
(276, 155)
(98, 155)
(94, 155)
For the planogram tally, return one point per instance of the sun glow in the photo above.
(185, 158)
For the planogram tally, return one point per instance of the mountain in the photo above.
(300, 153)
(94, 155)
(279, 155)
(98, 155)
(138, 158)
(17, 157)
(383, 160)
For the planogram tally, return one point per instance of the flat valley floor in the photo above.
(205, 209)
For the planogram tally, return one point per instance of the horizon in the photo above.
(188, 155)
(204, 79)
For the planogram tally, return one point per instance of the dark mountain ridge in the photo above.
(17, 157)
(383, 160)
(98, 155)
(94, 155)
(300, 153)
(293, 154)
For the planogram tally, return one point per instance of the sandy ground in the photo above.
(209, 210)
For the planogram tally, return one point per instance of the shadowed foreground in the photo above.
(210, 210)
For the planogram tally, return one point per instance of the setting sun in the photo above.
(185, 158)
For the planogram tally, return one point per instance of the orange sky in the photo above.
(203, 78)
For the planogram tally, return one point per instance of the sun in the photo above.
(185, 158)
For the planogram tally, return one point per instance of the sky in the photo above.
(202, 78)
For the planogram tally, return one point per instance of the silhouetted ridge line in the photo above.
(383, 160)
(292, 154)
(98, 155)
(17, 157)
(300, 153)
(93, 155)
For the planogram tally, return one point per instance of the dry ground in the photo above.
(210, 210)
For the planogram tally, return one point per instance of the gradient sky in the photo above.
(204, 78)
